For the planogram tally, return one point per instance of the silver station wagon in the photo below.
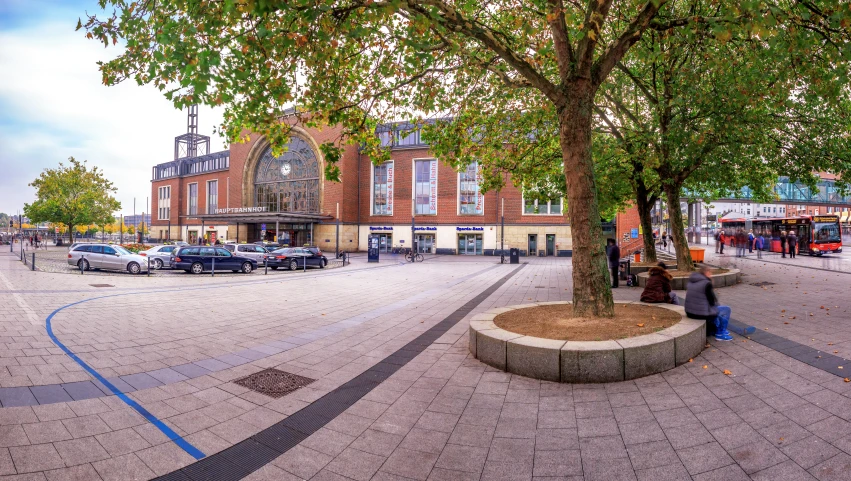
(107, 257)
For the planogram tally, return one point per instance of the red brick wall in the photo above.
(626, 221)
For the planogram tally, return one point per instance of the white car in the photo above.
(160, 256)
(252, 251)
(107, 257)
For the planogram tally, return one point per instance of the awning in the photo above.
(261, 218)
(845, 217)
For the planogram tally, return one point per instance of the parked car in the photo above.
(105, 256)
(160, 256)
(181, 244)
(293, 258)
(253, 251)
(199, 259)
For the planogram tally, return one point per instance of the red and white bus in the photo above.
(817, 234)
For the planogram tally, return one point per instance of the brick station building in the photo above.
(245, 194)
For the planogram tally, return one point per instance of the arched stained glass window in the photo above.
(289, 183)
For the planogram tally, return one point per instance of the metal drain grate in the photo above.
(101, 285)
(273, 382)
(762, 284)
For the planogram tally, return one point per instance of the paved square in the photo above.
(397, 395)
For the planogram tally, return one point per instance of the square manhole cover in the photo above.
(273, 382)
(101, 285)
(762, 284)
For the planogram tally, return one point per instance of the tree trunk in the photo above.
(644, 205)
(592, 294)
(71, 233)
(675, 214)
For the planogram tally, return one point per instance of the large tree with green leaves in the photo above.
(359, 62)
(713, 116)
(72, 195)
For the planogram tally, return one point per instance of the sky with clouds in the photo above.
(53, 105)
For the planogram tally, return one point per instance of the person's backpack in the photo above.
(718, 236)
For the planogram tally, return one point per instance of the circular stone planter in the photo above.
(635, 270)
(585, 361)
(729, 278)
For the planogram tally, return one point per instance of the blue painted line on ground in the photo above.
(173, 436)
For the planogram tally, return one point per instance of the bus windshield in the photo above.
(824, 232)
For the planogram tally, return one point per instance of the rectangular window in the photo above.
(470, 199)
(425, 186)
(193, 200)
(542, 207)
(212, 196)
(382, 192)
(164, 202)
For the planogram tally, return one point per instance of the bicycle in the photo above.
(411, 256)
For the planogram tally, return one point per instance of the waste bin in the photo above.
(514, 255)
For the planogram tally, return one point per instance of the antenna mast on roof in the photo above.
(191, 144)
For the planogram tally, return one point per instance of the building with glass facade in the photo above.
(247, 194)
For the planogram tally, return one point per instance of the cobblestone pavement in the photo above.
(178, 342)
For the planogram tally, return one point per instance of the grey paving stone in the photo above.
(82, 390)
(302, 462)
(555, 439)
(167, 375)
(787, 470)
(80, 451)
(557, 463)
(607, 469)
(410, 464)
(736, 435)
(213, 365)
(831, 429)
(596, 427)
(756, 456)
(609, 447)
(727, 473)
(50, 394)
(469, 459)
(669, 472)
(651, 455)
(17, 396)
(355, 464)
(377, 442)
(116, 382)
(704, 457)
(688, 435)
(642, 432)
(834, 469)
(250, 354)
(191, 370)
(36, 458)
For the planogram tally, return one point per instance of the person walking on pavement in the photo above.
(723, 238)
(750, 241)
(614, 254)
(783, 244)
(702, 303)
(792, 240)
(759, 242)
(665, 240)
(717, 240)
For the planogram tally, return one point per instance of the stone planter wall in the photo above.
(726, 279)
(635, 270)
(585, 361)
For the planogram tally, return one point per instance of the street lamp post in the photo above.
(338, 232)
(502, 232)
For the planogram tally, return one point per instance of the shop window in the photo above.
(425, 186)
(382, 192)
(470, 198)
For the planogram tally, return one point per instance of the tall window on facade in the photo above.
(470, 200)
(289, 183)
(193, 199)
(164, 202)
(425, 186)
(382, 191)
(542, 206)
(212, 196)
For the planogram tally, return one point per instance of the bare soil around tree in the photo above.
(557, 322)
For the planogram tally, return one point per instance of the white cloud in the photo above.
(53, 105)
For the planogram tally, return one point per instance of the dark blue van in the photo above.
(197, 259)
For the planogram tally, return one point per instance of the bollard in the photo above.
(213, 271)
(265, 265)
(33, 262)
(80, 265)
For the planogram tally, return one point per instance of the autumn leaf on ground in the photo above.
(705, 366)
(784, 310)
(785, 323)
(691, 360)
(727, 372)
(640, 325)
(836, 352)
(847, 380)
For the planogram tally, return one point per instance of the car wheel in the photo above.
(133, 268)
(322, 263)
(83, 264)
(197, 268)
(293, 265)
(247, 268)
(158, 264)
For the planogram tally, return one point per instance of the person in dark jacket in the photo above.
(658, 287)
(701, 303)
(783, 243)
(792, 242)
(613, 252)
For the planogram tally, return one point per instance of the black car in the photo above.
(293, 258)
(199, 259)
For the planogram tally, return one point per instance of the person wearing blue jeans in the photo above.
(702, 303)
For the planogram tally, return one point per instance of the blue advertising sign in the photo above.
(634, 233)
